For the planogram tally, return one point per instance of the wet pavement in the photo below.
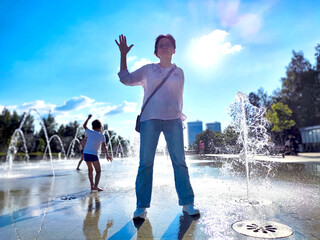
(36, 205)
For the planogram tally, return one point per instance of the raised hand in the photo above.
(122, 44)
(109, 158)
(86, 122)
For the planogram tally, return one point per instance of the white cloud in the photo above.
(129, 107)
(209, 48)
(101, 110)
(9, 107)
(75, 103)
(67, 117)
(40, 105)
(75, 109)
(128, 122)
(140, 63)
(131, 58)
(125, 107)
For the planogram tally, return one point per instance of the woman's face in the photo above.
(165, 48)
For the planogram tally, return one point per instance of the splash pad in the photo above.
(35, 205)
(19, 135)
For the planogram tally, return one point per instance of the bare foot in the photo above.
(96, 189)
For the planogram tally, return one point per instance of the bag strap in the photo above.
(157, 88)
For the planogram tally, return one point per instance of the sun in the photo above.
(204, 53)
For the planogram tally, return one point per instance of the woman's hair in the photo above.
(96, 124)
(168, 36)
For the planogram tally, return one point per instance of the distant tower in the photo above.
(194, 128)
(215, 126)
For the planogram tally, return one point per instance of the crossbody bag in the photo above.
(154, 91)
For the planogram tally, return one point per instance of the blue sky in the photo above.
(60, 56)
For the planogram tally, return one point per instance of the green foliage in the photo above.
(28, 127)
(68, 130)
(317, 55)
(230, 136)
(8, 123)
(301, 90)
(207, 137)
(280, 117)
(5, 130)
(115, 141)
(36, 142)
(41, 145)
(50, 125)
(213, 140)
(260, 99)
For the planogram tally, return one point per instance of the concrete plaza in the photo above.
(36, 205)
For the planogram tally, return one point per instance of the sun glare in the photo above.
(208, 50)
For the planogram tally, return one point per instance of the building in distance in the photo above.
(194, 128)
(215, 126)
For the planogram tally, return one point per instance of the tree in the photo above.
(5, 131)
(115, 141)
(41, 145)
(230, 136)
(280, 118)
(14, 122)
(61, 131)
(207, 137)
(254, 99)
(50, 125)
(28, 126)
(260, 99)
(71, 129)
(317, 82)
(317, 55)
(124, 145)
(67, 133)
(9, 123)
(300, 91)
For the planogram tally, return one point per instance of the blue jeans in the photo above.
(149, 135)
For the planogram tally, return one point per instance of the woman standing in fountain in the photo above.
(164, 114)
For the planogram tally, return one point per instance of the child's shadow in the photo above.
(90, 223)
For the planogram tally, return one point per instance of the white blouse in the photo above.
(167, 102)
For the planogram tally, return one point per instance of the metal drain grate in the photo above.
(267, 229)
(68, 198)
(65, 198)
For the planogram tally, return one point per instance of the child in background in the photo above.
(81, 147)
(90, 152)
(201, 148)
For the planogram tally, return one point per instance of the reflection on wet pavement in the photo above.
(35, 205)
(182, 225)
(90, 223)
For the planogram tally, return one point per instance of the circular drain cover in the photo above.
(266, 229)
